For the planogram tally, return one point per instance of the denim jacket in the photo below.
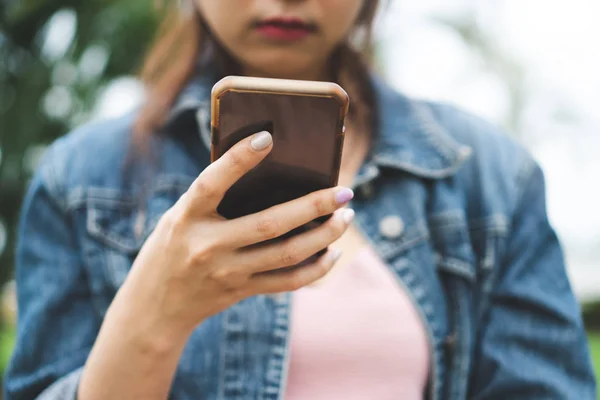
(454, 208)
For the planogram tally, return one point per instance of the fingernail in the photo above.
(344, 195)
(334, 255)
(348, 215)
(261, 141)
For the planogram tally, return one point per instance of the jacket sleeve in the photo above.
(57, 324)
(532, 344)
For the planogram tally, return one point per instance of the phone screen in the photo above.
(307, 143)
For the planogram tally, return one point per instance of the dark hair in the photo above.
(174, 57)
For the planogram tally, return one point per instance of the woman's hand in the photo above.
(196, 264)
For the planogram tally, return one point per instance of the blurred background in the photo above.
(530, 66)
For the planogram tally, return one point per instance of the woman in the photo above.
(449, 283)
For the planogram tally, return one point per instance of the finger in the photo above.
(208, 189)
(296, 249)
(288, 281)
(283, 218)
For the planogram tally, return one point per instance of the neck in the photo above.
(317, 73)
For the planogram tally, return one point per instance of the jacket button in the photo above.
(391, 227)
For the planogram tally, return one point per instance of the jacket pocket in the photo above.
(452, 244)
(117, 226)
(117, 223)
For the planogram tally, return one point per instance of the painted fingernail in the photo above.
(347, 215)
(261, 141)
(334, 255)
(344, 195)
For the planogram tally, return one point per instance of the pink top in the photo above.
(357, 335)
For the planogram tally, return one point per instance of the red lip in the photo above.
(285, 28)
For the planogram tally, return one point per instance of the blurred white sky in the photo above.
(556, 44)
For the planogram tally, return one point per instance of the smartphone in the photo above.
(306, 120)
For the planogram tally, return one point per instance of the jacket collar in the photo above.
(411, 137)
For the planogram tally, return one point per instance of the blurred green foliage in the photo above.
(55, 58)
(591, 316)
(595, 347)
